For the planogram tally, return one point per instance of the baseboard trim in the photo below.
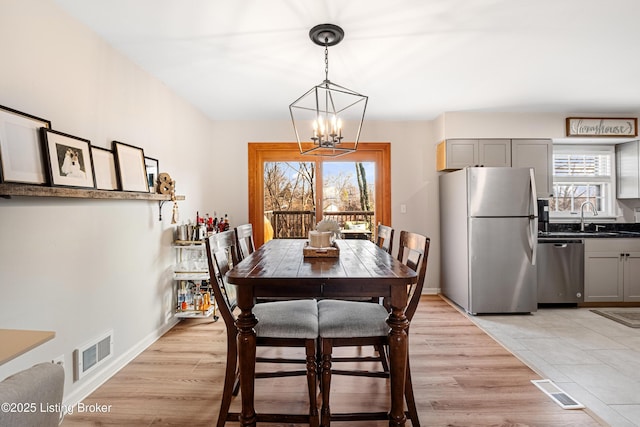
(82, 391)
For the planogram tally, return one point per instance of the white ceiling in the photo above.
(249, 59)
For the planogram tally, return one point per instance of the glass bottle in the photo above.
(182, 298)
(197, 301)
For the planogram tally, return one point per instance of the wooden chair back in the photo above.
(222, 256)
(384, 238)
(414, 253)
(244, 236)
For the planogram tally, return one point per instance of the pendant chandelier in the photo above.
(328, 118)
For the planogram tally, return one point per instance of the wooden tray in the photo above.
(330, 252)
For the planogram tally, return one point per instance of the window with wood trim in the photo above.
(289, 193)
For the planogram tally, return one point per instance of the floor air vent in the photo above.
(91, 355)
(557, 394)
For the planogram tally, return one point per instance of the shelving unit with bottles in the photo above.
(194, 298)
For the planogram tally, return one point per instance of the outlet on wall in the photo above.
(59, 360)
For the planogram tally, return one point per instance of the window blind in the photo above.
(582, 165)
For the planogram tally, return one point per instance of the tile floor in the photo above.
(592, 358)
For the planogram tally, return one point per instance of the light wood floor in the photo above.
(461, 376)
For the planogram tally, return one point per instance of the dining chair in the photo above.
(348, 323)
(244, 237)
(384, 237)
(280, 324)
(246, 246)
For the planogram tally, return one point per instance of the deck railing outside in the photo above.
(297, 224)
(291, 224)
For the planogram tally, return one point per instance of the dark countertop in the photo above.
(606, 230)
(587, 235)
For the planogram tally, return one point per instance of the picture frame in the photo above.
(130, 167)
(21, 158)
(68, 160)
(602, 127)
(104, 168)
(153, 169)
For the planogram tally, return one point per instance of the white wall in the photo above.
(413, 173)
(81, 267)
(501, 125)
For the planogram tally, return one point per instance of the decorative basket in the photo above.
(330, 252)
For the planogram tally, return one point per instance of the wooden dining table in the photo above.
(279, 268)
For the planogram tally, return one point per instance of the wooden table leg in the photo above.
(398, 352)
(245, 323)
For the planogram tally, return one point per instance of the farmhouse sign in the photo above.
(593, 126)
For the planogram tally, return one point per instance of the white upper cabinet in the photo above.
(461, 153)
(494, 152)
(536, 154)
(628, 170)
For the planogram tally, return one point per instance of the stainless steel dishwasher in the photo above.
(560, 271)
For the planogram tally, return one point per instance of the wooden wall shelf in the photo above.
(9, 190)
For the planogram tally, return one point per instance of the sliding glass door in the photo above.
(290, 193)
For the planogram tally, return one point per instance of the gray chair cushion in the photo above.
(350, 319)
(42, 384)
(287, 319)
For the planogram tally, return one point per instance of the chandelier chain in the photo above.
(326, 60)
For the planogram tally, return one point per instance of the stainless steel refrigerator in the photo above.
(488, 234)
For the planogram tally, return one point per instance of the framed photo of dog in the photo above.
(130, 165)
(68, 160)
(20, 147)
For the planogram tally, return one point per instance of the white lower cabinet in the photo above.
(612, 270)
(632, 276)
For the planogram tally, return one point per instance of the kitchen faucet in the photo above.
(593, 209)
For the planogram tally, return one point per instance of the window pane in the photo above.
(289, 199)
(570, 196)
(348, 190)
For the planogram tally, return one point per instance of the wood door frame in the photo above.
(261, 152)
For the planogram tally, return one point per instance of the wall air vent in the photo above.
(88, 357)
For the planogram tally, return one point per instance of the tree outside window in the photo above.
(348, 195)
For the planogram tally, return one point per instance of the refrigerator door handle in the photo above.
(533, 238)
(534, 193)
(533, 221)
